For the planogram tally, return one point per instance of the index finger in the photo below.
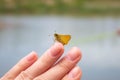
(45, 61)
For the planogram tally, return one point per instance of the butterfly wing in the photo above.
(64, 39)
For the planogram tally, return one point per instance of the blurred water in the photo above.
(96, 37)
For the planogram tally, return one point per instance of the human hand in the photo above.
(47, 67)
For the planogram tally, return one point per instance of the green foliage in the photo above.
(59, 7)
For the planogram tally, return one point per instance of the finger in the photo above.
(44, 62)
(20, 66)
(74, 74)
(63, 66)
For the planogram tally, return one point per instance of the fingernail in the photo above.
(32, 56)
(56, 49)
(73, 54)
(74, 73)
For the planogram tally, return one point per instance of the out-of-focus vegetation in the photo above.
(71, 7)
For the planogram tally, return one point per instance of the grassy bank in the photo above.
(70, 7)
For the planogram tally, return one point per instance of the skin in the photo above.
(47, 67)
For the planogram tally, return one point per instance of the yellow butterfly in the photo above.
(62, 38)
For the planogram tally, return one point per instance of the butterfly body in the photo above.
(62, 38)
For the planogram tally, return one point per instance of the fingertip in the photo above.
(77, 51)
(74, 54)
(34, 53)
(75, 73)
(56, 49)
(59, 45)
(32, 56)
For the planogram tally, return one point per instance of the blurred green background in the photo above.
(68, 7)
(25, 26)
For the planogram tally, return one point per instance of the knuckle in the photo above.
(23, 76)
(65, 66)
(39, 78)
